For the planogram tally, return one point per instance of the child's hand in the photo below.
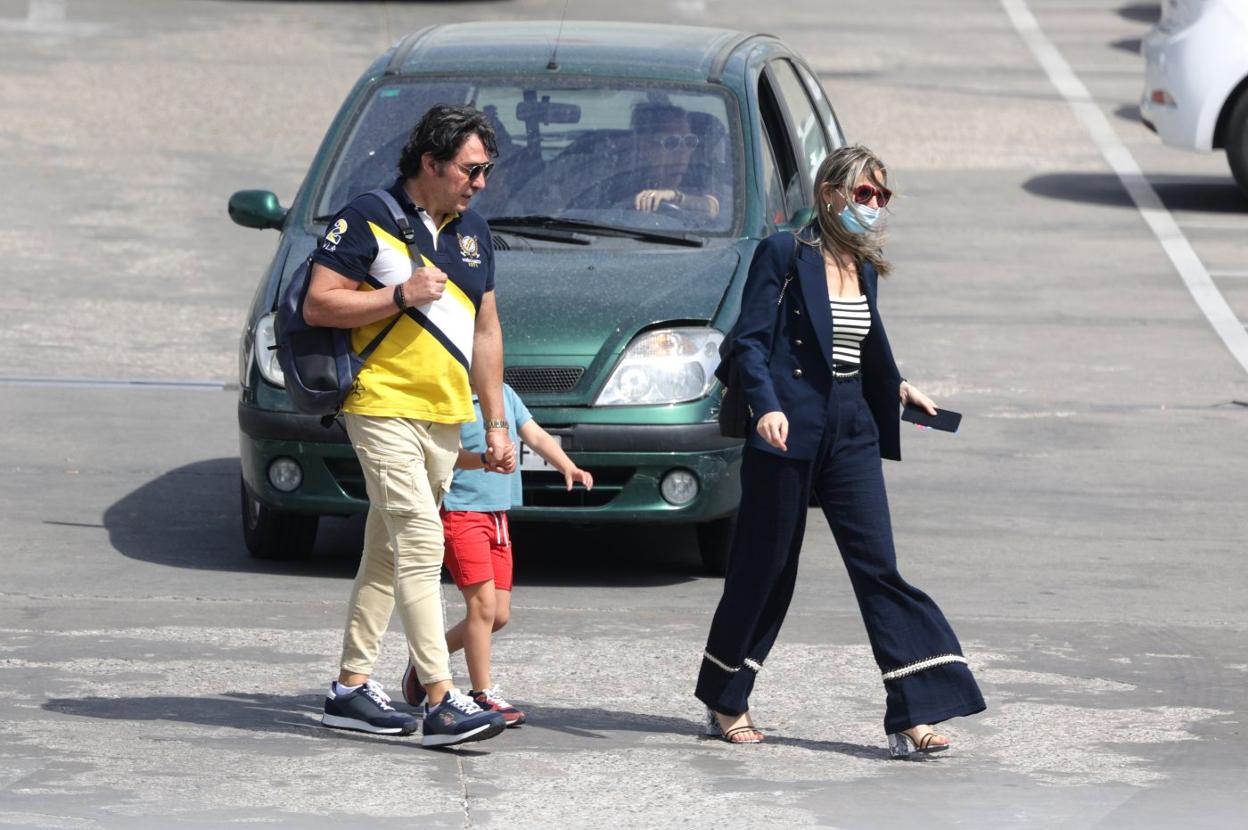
(491, 466)
(577, 474)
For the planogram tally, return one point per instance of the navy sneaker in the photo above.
(413, 691)
(367, 709)
(457, 719)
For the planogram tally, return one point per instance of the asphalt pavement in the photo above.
(1084, 531)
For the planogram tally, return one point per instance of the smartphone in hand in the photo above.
(945, 419)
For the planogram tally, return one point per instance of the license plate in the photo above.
(531, 461)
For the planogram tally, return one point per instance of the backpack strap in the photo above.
(409, 236)
(396, 213)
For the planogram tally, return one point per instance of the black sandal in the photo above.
(901, 745)
(714, 730)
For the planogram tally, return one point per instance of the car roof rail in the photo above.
(405, 47)
(726, 53)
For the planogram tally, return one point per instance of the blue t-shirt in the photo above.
(478, 490)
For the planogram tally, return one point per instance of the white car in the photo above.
(1196, 79)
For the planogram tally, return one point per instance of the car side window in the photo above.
(774, 210)
(811, 143)
(786, 192)
(822, 106)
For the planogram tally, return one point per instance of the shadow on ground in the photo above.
(1200, 194)
(300, 715)
(593, 722)
(1141, 12)
(190, 518)
(238, 710)
(1129, 112)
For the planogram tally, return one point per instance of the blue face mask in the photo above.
(869, 216)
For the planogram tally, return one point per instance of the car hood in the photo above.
(573, 306)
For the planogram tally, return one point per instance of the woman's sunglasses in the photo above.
(864, 193)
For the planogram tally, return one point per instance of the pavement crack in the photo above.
(463, 791)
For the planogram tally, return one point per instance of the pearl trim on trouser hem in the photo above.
(752, 665)
(922, 665)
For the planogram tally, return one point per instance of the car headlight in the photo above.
(266, 355)
(664, 366)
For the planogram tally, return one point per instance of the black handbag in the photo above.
(735, 415)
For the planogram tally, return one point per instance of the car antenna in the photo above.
(553, 65)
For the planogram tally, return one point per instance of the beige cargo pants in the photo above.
(407, 467)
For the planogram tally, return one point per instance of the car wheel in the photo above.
(1237, 142)
(714, 543)
(275, 534)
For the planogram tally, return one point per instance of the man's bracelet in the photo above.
(398, 297)
(484, 461)
(496, 423)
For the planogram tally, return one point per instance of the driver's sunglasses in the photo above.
(471, 170)
(864, 193)
(672, 141)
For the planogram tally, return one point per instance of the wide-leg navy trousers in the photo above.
(926, 678)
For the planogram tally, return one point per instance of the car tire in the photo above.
(1237, 142)
(714, 544)
(275, 534)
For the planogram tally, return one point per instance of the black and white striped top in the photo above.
(851, 320)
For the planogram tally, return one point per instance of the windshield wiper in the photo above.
(521, 224)
(540, 230)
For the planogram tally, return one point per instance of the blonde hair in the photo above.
(842, 169)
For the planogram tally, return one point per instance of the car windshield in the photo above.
(640, 156)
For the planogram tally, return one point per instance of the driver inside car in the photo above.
(665, 145)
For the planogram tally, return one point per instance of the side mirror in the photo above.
(258, 209)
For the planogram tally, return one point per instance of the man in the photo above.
(410, 398)
(665, 146)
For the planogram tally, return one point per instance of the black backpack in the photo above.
(318, 362)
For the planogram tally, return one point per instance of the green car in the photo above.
(638, 168)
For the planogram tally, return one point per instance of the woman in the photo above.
(817, 371)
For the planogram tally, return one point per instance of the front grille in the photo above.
(542, 378)
(548, 489)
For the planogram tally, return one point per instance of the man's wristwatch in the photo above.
(398, 297)
(496, 423)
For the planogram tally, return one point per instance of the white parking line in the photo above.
(1223, 274)
(121, 383)
(1193, 272)
(1135, 70)
(48, 17)
(1213, 225)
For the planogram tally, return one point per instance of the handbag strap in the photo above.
(788, 278)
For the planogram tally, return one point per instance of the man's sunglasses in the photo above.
(864, 193)
(672, 141)
(472, 170)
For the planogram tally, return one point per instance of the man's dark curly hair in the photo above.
(442, 131)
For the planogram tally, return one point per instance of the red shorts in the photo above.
(478, 548)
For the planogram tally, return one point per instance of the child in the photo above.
(478, 546)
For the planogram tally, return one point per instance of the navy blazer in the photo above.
(794, 374)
